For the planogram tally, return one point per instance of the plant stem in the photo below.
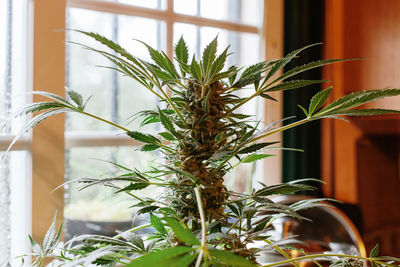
(199, 257)
(316, 256)
(119, 127)
(202, 216)
(138, 198)
(280, 129)
(281, 251)
(203, 247)
(172, 104)
(106, 121)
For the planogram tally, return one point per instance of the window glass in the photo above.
(239, 11)
(14, 185)
(113, 96)
(244, 46)
(154, 4)
(12, 61)
(100, 203)
(14, 204)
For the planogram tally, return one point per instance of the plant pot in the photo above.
(74, 227)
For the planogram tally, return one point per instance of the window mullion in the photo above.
(273, 49)
(130, 10)
(47, 146)
(97, 139)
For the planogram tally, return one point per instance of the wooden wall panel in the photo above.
(358, 170)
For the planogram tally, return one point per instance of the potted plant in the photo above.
(198, 221)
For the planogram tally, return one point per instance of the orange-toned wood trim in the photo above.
(48, 138)
(273, 111)
(333, 48)
(338, 138)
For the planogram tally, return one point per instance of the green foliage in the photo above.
(165, 258)
(50, 243)
(183, 234)
(197, 221)
(229, 258)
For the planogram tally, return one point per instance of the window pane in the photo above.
(13, 82)
(14, 185)
(114, 97)
(100, 203)
(239, 11)
(14, 203)
(244, 46)
(155, 4)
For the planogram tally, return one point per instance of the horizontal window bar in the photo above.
(124, 9)
(96, 138)
(21, 144)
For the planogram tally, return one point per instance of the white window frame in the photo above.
(49, 140)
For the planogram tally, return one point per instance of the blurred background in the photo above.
(358, 160)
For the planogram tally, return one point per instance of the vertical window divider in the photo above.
(47, 148)
(170, 28)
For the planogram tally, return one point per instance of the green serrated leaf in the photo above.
(145, 138)
(160, 258)
(134, 186)
(374, 252)
(182, 233)
(147, 209)
(266, 96)
(230, 259)
(254, 157)
(50, 234)
(250, 75)
(53, 96)
(279, 64)
(76, 97)
(195, 70)
(232, 74)
(219, 63)
(183, 261)
(234, 210)
(255, 147)
(209, 55)
(166, 122)
(161, 60)
(367, 112)
(303, 109)
(167, 136)
(318, 100)
(388, 258)
(282, 189)
(36, 107)
(353, 100)
(150, 119)
(32, 123)
(292, 85)
(181, 51)
(260, 226)
(217, 236)
(308, 66)
(149, 147)
(157, 224)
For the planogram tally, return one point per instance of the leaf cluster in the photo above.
(198, 221)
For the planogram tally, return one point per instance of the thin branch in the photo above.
(203, 247)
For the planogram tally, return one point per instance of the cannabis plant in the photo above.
(198, 221)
